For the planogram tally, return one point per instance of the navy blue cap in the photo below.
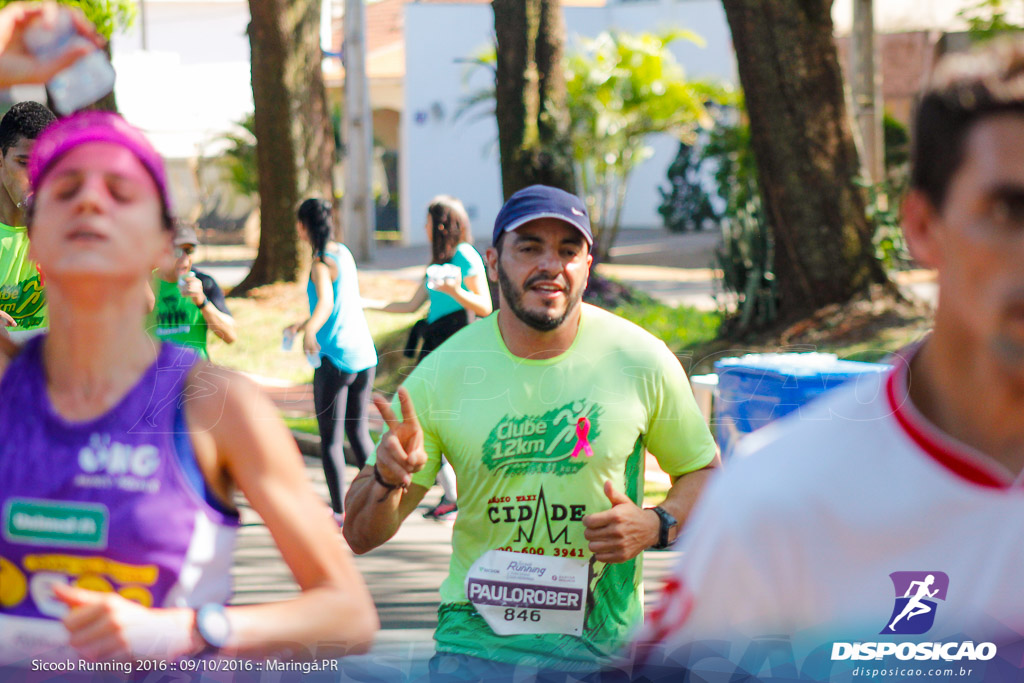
(541, 201)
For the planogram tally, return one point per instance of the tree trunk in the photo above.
(806, 157)
(294, 140)
(530, 104)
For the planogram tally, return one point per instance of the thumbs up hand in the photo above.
(106, 626)
(623, 532)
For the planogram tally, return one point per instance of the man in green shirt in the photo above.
(188, 303)
(544, 410)
(22, 300)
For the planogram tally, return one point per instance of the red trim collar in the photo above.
(943, 450)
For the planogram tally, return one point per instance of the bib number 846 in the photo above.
(522, 615)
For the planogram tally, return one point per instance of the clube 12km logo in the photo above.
(917, 601)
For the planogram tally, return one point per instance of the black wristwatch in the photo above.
(213, 627)
(666, 522)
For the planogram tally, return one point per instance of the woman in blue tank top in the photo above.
(121, 456)
(337, 341)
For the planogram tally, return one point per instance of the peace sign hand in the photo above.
(400, 453)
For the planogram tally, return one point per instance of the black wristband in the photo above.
(380, 480)
(206, 300)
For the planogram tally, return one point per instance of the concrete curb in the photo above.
(309, 444)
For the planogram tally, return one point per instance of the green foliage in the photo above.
(240, 157)
(897, 142)
(746, 259)
(306, 425)
(728, 155)
(337, 122)
(480, 103)
(686, 206)
(883, 199)
(621, 88)
(883, 211)
(680, 327)
(988, 19)
(746, 256)
(107, 15)
(728, 151)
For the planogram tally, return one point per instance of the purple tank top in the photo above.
(110, 504)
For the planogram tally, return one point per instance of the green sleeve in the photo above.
(677, 434)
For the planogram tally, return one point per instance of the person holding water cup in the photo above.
(337, 342)
(189, 304)
(455, 283)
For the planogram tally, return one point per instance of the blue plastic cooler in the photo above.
(756, 389)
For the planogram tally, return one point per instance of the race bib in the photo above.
(519, 594)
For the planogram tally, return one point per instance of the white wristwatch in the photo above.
(213, 626)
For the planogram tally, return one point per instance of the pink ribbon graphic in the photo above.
(582, 429)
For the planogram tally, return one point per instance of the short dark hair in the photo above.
(23, 120)
(965, 88)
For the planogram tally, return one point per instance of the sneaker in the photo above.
(447, 512)
(442, 511)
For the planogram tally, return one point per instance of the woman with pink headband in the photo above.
(121, 456)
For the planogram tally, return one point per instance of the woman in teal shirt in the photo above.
(456, 299)
(337, 340)
(462, 295)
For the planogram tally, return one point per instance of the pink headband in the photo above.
(94, 126)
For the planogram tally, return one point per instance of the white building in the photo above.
(185, 88)
(442, 155)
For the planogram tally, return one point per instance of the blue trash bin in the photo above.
(756, 389)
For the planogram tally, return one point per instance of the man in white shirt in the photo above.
(807, 549)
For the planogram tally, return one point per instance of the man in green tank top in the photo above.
(22, 299)
(188, 303)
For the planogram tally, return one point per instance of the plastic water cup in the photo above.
(82, 83)
(314, 359)
(287, 340)
(183, 282)
(439, 273)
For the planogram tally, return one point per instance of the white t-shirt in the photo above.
(798, 536)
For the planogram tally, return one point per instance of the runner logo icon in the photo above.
(916, 593)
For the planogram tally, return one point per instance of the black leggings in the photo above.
(334, 391)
